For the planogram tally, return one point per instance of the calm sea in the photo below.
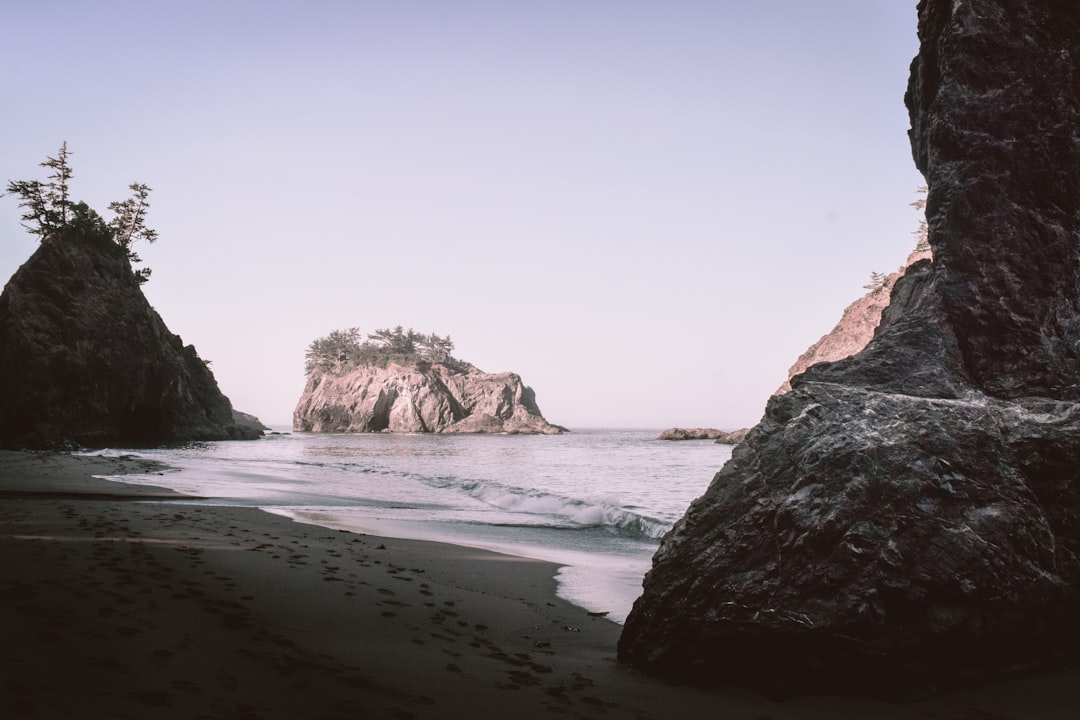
(595, 501)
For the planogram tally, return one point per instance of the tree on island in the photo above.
(49, 210)
(343, 350)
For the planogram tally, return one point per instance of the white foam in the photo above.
(606, 583)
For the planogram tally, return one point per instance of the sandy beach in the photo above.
(126, 601)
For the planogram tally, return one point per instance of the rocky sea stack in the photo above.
(86, 361)
(907, 521)
(399, 381)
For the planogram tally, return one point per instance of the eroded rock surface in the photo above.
(86, 361)
(423, 397)
(907, 520)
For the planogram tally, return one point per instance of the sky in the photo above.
(648, 209)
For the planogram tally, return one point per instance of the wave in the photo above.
(107, 453)
(274, 480)
(571, 511)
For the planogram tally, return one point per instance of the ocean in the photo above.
(596, 501)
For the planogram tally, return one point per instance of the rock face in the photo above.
(421, 397)
(85, 360)
(856, 327)
(907, 520)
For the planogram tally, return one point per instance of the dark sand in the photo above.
(116, 604)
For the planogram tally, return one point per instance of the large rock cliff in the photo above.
(419, 397)
(907, 520)
(85, 360)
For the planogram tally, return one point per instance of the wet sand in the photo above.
(125, 601)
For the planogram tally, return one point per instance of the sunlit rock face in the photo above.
(86, 361)
(907, 521)
(419, 398)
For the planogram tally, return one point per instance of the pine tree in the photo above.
(57, 193)
(49, 209)
(48, 204)
(129, 224)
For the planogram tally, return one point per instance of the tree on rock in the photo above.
(50, 210)
(47, 204)
(342, 350)
(922, 234)
(129, 224)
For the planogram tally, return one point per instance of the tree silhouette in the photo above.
(49, 210)
(129, 224)
(48, 204)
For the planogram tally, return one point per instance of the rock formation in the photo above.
(248, 420)
(907, 520)
(419, 397)
(856, 327)
(85, 360)
(723, 437)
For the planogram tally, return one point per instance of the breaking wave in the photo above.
(559, 510)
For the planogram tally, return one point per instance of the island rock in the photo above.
(86, 361)
(421, 397)
(724, 437)
(906, 521)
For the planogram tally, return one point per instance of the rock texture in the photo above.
(421, 397)
(907, 520)
(85, 360)
(856, 327)
(733, 437)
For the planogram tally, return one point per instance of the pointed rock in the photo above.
(86, 361)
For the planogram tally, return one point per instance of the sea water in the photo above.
(597, 502)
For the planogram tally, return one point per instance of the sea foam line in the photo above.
(581, 513)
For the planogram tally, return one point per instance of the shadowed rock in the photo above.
(85, 360)
(906, 521)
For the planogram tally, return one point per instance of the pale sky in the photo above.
(647, 209)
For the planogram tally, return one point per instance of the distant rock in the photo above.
(419, 398)
(85, 360)
(856, 327)
(247, 420)
(733, 437)
(906, 521)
